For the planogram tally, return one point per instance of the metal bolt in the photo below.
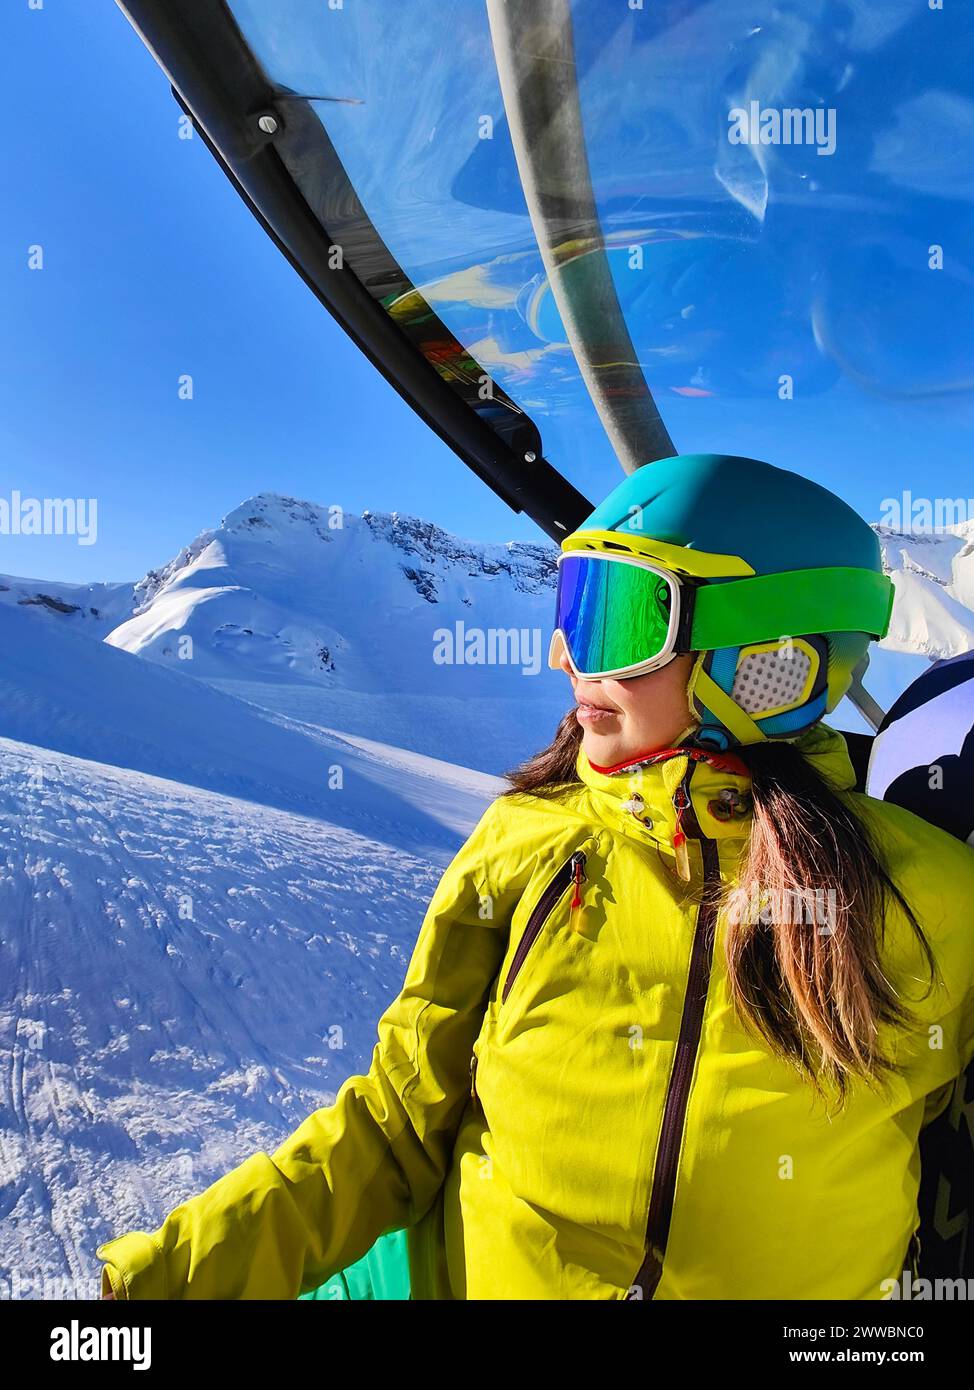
(268, 124)
(530, 456)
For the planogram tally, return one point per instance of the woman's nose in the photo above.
(558, 655)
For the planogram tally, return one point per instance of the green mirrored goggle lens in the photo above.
(613, 614)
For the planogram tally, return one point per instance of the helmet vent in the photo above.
(771, 680)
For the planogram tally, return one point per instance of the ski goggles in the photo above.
(616, 615)
(625, 615)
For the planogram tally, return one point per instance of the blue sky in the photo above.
(153, 268)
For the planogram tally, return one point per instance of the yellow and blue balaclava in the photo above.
(781, 588)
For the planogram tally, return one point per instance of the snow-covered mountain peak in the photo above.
(270, 517)
(530, 567)
(339, 617)
(299, 532)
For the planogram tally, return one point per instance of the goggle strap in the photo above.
(769, 606)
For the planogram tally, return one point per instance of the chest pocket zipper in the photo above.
(571, 872)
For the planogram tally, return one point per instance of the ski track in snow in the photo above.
(145, 1051)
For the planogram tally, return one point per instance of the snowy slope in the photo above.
(128, 713)
(186, 976)
(92, 608)
(199, 930)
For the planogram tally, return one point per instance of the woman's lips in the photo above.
(594, 714)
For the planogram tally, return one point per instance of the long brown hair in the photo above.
(818, 997)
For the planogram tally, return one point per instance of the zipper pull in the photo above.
(681, 801)
(473, 1078)
(577, 861)
(681, 855)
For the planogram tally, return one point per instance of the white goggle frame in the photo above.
(559, 642)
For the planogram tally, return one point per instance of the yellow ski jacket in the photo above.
(563, 1104)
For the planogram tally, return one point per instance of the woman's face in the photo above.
(621, 719)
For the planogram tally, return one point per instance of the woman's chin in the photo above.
(608, 748)
(604, 748)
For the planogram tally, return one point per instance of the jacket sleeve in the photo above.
(370, 1163)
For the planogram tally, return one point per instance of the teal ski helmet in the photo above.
(781, 582)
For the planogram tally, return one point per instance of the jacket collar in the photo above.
(641, 798)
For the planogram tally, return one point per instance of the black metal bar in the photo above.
(219, 82)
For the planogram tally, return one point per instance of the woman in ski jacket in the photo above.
(682, 1004)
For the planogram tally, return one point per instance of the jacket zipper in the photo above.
(572, 871)
(688, 1042)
